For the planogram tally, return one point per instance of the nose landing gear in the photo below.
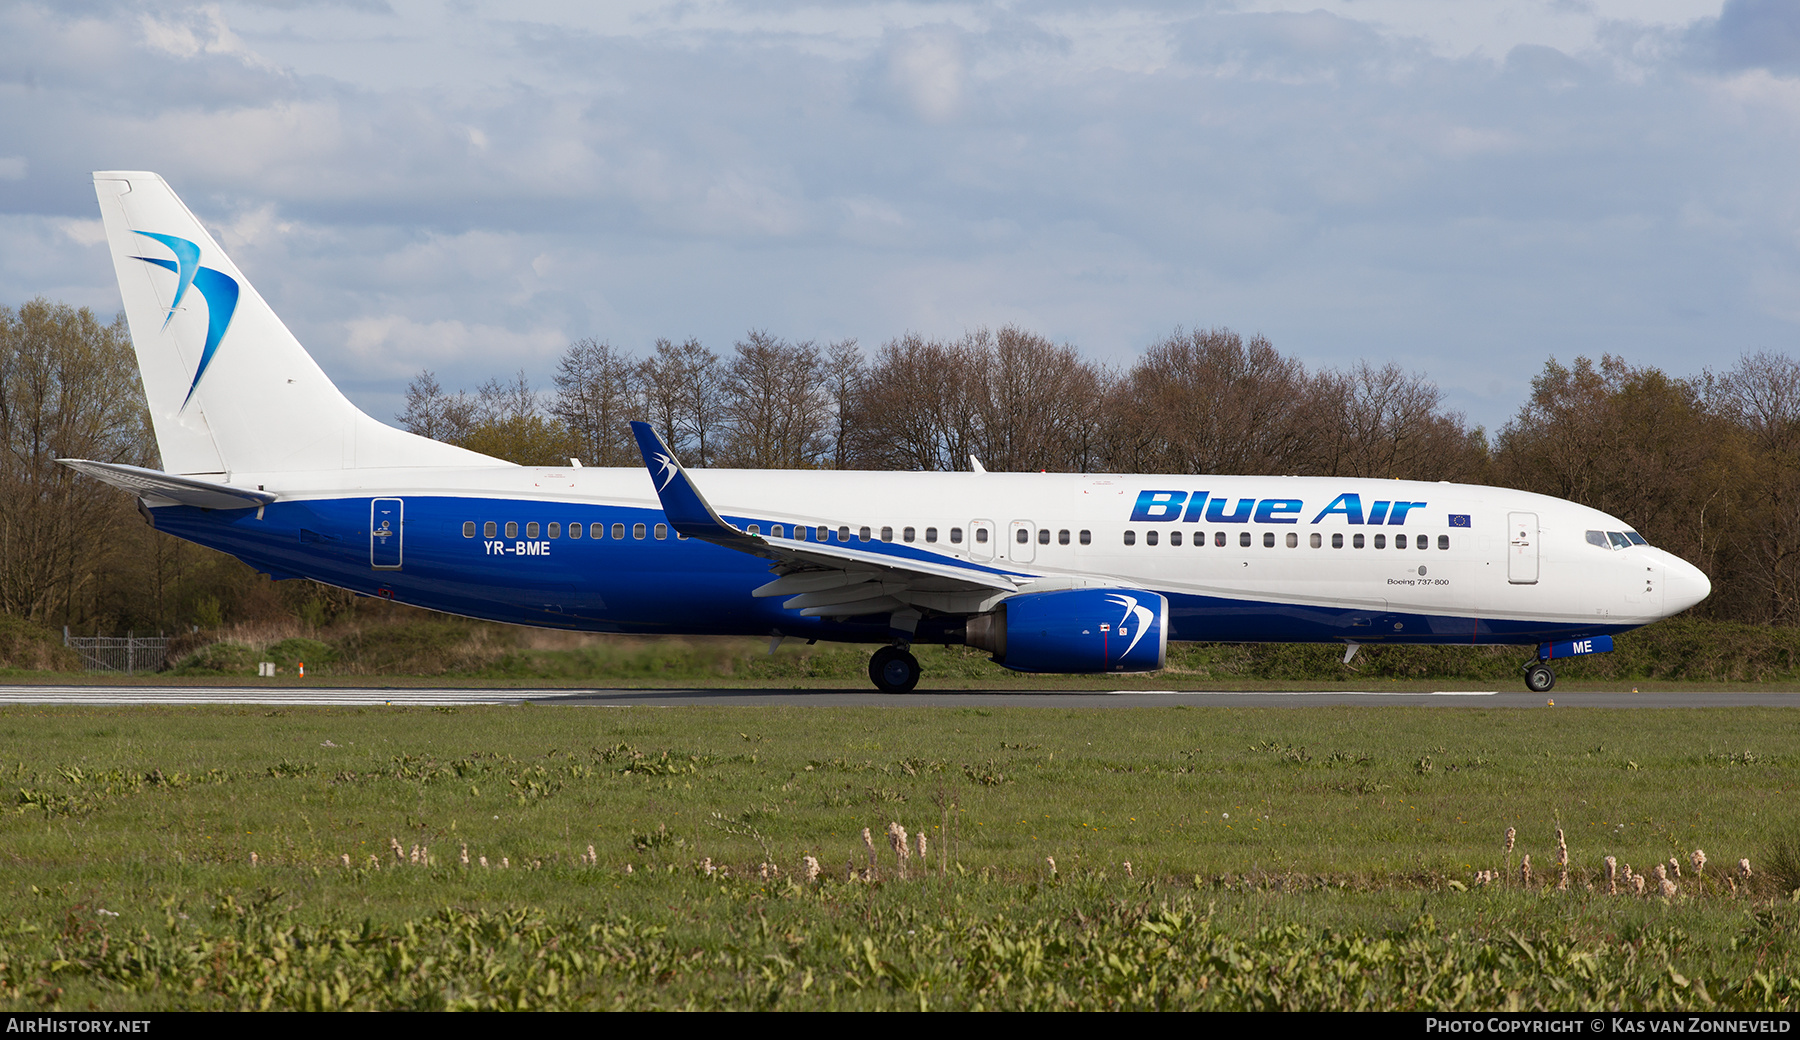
(893, 669)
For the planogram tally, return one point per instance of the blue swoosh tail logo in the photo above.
(219, 289)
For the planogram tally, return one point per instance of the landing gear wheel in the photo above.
(1539, 678)
(894, 670)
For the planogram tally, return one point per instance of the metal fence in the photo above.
(128, 654)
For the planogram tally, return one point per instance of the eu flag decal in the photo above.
(1459, 519)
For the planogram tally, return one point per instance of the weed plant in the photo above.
(648, 857)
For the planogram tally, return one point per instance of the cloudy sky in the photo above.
(1466, 188)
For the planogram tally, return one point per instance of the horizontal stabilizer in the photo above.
(163, 489)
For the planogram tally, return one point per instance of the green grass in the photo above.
(1280, 857)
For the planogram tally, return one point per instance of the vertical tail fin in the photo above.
(230, 388)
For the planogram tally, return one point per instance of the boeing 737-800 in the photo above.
(265, 459)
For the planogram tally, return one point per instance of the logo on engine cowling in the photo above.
(1132, 609)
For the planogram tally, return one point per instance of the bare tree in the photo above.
(1210, 402)
(1037, 403)
(845, 372)
(1381, 422)
(430, 412)
(775, 402)
(1761, 395)
(915, 409)
(68, 388)
(596, 397)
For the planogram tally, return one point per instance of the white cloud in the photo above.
(194, 32)
(926, 67)
(397, 346)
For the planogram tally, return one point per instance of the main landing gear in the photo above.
(1539, 677)
(894, 669)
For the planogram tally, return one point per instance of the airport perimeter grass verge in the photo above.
(238, 857)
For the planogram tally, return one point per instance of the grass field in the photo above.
(1320, 858)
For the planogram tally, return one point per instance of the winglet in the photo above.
(687, 510)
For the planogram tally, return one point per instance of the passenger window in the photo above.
(1356, 541)
(1268, 539)
(619, 532)
(637, 531)
(1219, 538)
(1150, 537)
(887, 534)
(1399, 541)
(1022, 536)
(531, 529)
(662, 531)
(843, 534)
(753, 529)
(956, 536)
(1424, 541)
(777, 531)
(1062, 537)
(468, 528)
(1381, 541)
(800, 532)
(863, 534)
(575, 530)
(1293, 540)
(1087, 538)
(1443, 541)
(907, 534)
(1174, 537)
(555, 530)
(980, 535)
(1316, 540)
(1130, 537)
(1244, 539)
(487, 529)
(512, 529)
(1337, 541)
(1044, 536)
(931, 534)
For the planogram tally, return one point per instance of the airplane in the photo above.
(263, 458)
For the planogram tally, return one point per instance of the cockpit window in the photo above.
(1615, 540)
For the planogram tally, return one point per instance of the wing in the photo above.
(825, 579)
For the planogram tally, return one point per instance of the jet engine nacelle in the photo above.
(1076, 630)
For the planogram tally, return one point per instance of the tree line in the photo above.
(1706, 466)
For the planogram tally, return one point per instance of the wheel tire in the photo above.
(893, 670)
(1539, 678)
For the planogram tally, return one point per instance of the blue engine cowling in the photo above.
(1076, 630)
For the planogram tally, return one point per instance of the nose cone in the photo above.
(1683, 585)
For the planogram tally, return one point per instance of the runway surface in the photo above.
(366, 696)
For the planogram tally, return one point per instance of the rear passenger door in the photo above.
(386, 517)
